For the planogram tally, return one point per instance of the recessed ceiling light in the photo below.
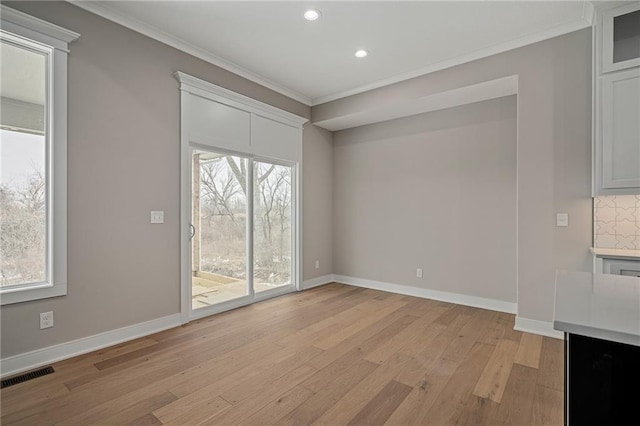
(311, 14)
(361, 53)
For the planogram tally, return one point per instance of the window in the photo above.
(33, 85)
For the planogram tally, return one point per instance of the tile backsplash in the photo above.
(616, 222)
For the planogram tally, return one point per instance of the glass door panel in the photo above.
(219, 228)
(272, 224)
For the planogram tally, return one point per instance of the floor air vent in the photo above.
(27, 376)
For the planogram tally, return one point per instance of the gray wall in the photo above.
(123, 145)
(553, 158)
(318, 200)
(435, 191)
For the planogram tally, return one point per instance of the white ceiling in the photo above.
(270, 42)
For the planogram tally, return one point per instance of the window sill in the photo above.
(27, 294)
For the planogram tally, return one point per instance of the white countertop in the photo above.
(620, 253)
(598, 305)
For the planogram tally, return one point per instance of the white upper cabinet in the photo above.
(617, 101)
(620, 38)
(621, 130)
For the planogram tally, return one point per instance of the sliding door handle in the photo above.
(192, 232)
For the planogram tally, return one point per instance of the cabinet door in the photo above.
(620, 138)
(621, 38)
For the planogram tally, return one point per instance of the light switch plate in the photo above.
(157, 216)
(562, 219)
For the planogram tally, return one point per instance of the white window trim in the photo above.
(30, 29)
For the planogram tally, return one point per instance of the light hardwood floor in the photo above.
(333, 355)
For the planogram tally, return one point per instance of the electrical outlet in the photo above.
(46, 320)
(419, 273)
(317, 264)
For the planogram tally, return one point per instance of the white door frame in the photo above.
(192, 86)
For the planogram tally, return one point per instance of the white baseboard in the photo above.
(34, 359)
(542, 328)
(443, 296)
(315, 282)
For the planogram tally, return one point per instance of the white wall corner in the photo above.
(542, 328)
(588, 13)
(316, 282)
(443, 296)
(40, 357)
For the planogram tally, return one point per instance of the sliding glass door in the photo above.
(241, 229)
(272, 208)
(219, 246)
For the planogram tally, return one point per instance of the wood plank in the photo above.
(99, 392)
(328, 325)
(507, 322)
(494, 378)
(478, 411)
(464, 340)
(454, 398)
(225, 380)
(516, 404)
(312, 408)
(429, 349)
(547, 407)
(280, 407)
(417, 404)
(414, 333)
(371, 337)
(552, 364)
(349, 329)
(245, 387)
(146, 420)
(378, 410)
(120, 410)
(343, 364)
(492, 335)
(192, 412)
(21, 399)
(267, 394)
(106, 353)
(357, 398)
(449, 315)
(529, 350)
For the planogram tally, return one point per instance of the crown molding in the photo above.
(584, 22)
(11, 16)
(202, 88)
(157, 34)
(100, 9)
